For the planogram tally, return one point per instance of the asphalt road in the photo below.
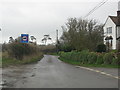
(0, 78)
(50, 72)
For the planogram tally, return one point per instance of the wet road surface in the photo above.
(50, 72)
(0, 78)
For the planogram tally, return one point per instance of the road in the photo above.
(0, 78)
(50, 72)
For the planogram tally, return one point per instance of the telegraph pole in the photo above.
(57, 41)
(57, 36)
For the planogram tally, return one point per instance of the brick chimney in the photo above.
(118, 13)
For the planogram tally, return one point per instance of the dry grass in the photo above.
(7, 61)
(5, 54)
(0, 54)
(0, 59)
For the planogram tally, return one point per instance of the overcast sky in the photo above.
(40, 17)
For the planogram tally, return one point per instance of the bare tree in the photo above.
(11, 40)
(32, 38)
(46, 38)
(82, 34)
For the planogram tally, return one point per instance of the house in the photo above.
(112, 31)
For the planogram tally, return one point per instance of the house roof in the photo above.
(115, 19)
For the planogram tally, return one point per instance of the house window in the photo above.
(109, 30)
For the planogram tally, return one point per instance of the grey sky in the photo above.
(39, 17)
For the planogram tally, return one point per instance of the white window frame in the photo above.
(109, 30)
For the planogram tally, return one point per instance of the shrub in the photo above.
(116, 58)
(65, 47)
(92, 58)
(114, 51)
(100, 59)
(18, 50)
(74, 55)
(84, 56)
(101, 48)
(108, 57)
(115, 61)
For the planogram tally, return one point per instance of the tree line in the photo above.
(81, 34)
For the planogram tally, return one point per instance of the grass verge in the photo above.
(87, 65)
(55, 54)
(27, 60)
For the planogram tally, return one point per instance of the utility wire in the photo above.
(96, 7)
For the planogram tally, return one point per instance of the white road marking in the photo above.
(104, 73)
(97, 71)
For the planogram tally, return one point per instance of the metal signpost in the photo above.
(24, 38)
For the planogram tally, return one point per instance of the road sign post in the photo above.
(24, 38)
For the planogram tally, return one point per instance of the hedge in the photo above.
(86, 57)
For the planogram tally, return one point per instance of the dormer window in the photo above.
(109, 30)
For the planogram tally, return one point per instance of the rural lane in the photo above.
(50, 72)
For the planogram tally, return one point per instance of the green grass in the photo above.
(87, 65)
(0, 62)
(10, 61)
(55, 54)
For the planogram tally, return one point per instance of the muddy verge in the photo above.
(13, 74)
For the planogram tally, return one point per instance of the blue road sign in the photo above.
(24, 38)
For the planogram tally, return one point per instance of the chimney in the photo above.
(118, 14)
